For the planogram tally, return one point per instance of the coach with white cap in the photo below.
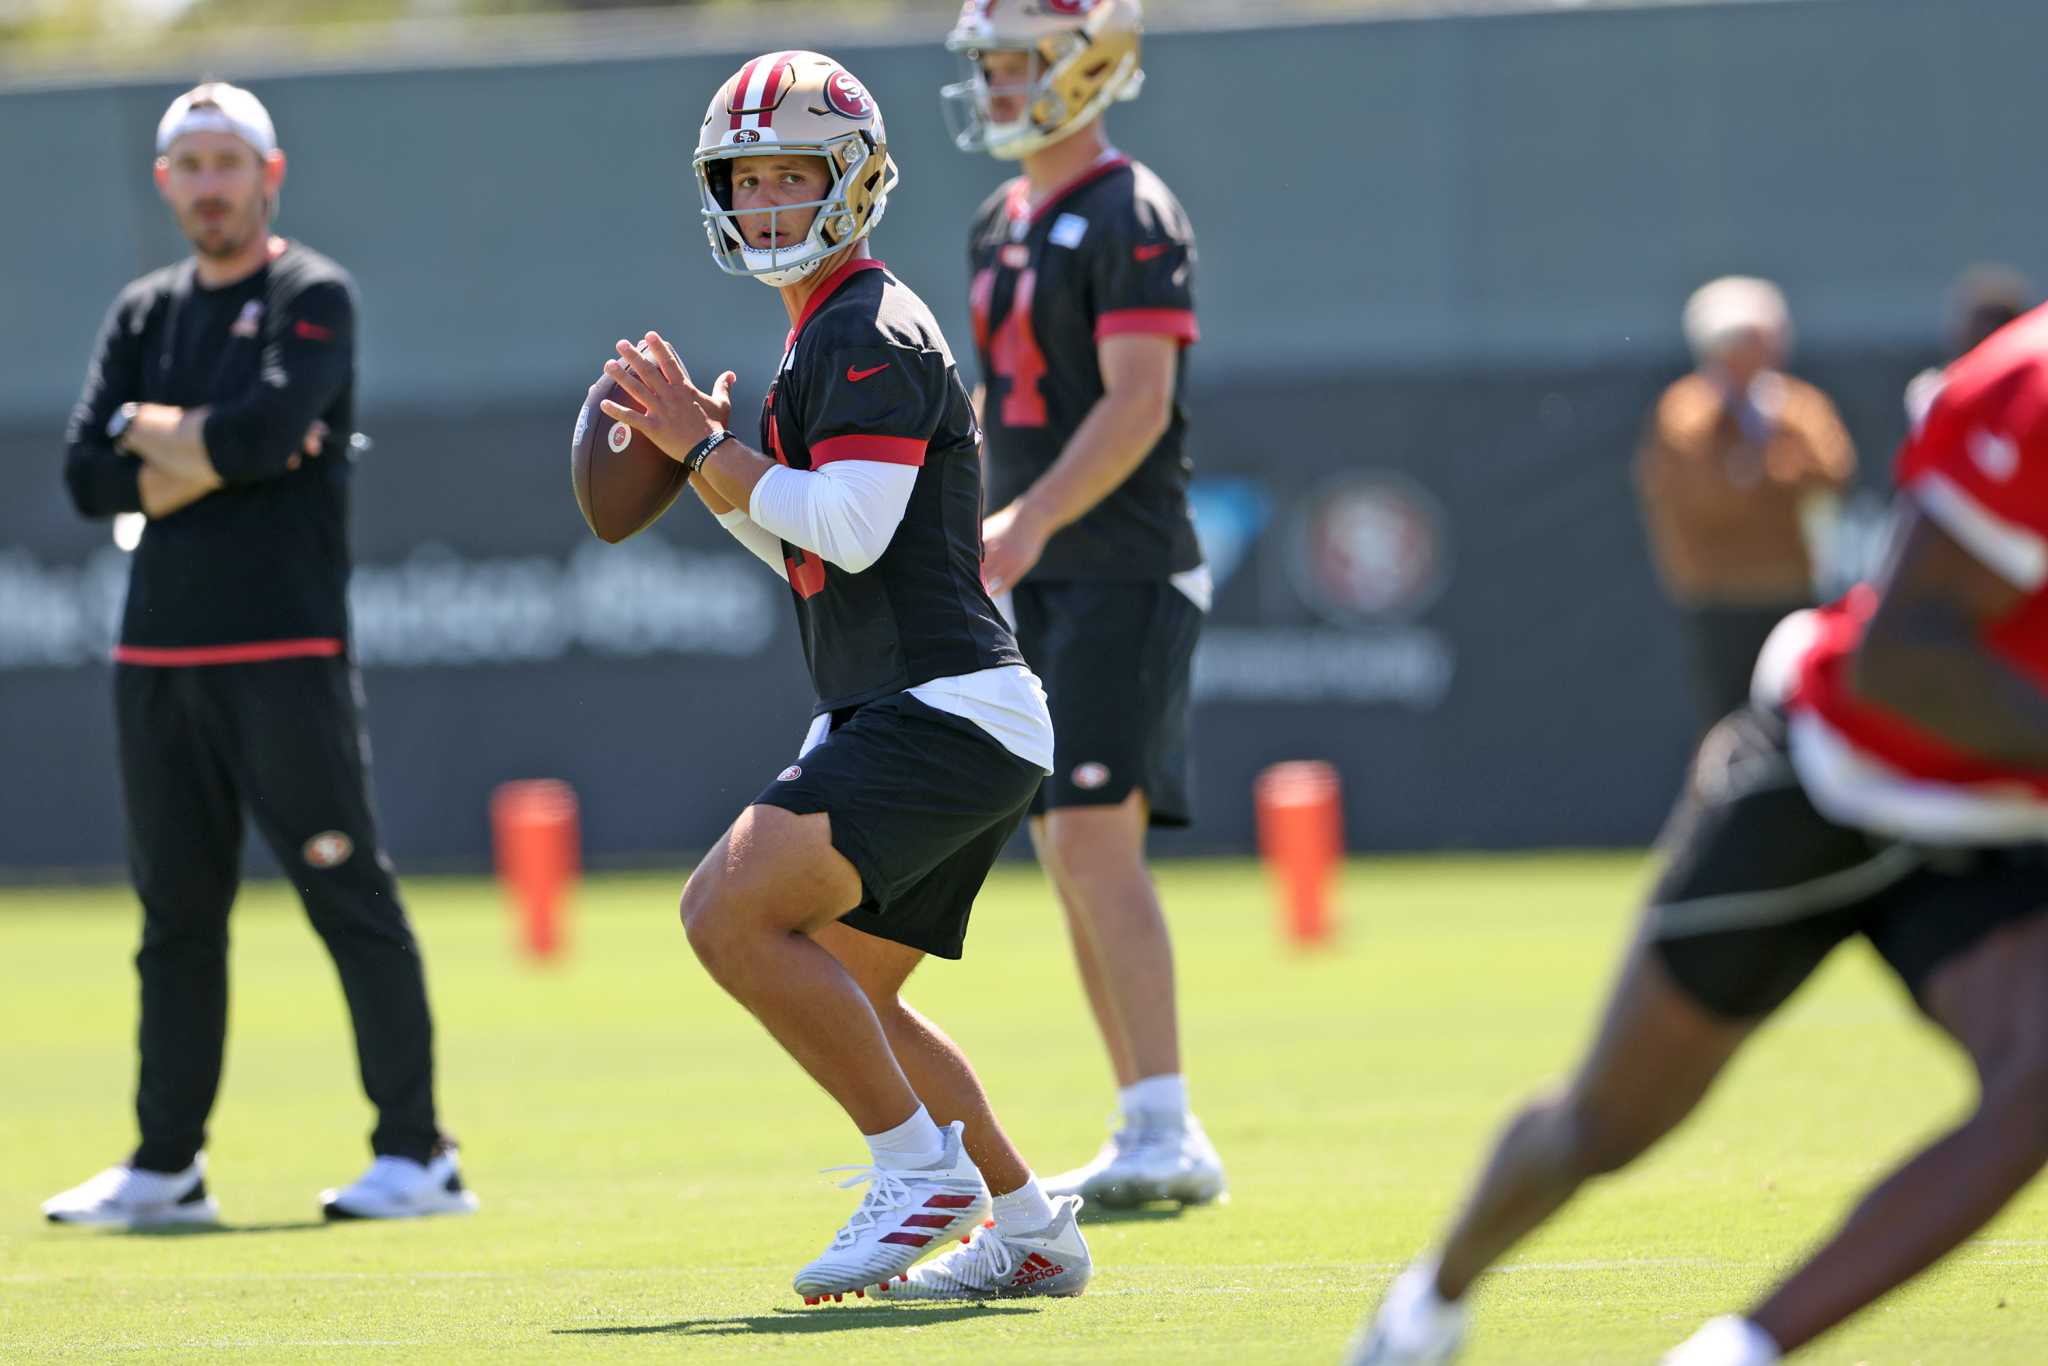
(218, 405)
(1740, 471)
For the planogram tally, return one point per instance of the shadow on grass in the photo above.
(205, 1230)
(838, 1318)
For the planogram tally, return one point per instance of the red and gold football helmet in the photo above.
(1084, 56)
(807, 104)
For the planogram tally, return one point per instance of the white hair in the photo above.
(1722, 311)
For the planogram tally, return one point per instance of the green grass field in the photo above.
(647, 1158)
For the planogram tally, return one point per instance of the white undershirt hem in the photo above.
(1007, 702)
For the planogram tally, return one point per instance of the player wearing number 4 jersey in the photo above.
(1889, 781)
(1082, 299)
(929, 734)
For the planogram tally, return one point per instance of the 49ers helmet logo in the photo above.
(847, 96)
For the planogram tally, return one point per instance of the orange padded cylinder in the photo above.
(539, 843)
(1300, 809)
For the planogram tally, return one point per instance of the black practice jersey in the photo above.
(264, 558)
(866, 375)
(1110, 253)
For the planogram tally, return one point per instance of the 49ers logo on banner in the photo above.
(847, 96)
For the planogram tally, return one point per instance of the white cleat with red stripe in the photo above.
(994, 1266)
(907, 1212)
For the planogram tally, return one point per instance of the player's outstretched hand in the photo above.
(674, 413)
(1011, 542)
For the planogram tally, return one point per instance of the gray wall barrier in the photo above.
(1436, 580)
(1441, 268)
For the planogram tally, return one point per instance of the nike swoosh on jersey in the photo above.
(1151, 251)
(854, 376)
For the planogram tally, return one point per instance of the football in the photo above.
(623, 480)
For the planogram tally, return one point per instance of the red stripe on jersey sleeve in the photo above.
(255, 652)
(1159, 322)
(889, 450)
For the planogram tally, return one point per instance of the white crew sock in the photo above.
(916, 1142)
(1164, 1095)
(1023, 1210)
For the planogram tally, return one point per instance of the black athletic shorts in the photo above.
(1758, 887)
(921, 803)
(1115, 659)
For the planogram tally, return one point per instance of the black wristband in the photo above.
(701, 452)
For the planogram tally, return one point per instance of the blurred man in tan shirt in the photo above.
(1740, 471)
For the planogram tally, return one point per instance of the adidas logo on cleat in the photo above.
(1037, 1267)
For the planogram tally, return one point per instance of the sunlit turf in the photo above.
(646, 1157)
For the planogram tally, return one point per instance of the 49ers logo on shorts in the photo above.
(328, 849)
(847, 96)
(790, 774)
(1090, 776)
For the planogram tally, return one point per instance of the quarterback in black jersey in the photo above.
(929, 736)
(1082, 279)
(217, 407)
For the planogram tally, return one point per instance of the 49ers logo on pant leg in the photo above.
(328, 849)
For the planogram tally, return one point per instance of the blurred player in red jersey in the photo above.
(1083, 301)
(1889, 779)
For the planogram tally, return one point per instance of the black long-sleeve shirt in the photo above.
(263, 559)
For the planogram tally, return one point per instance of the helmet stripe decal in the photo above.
(776, 65)
(754, 94)
(739, 92)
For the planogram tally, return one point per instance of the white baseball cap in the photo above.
(1722, 310)
(217, 107)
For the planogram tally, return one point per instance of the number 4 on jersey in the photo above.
(1013, 352)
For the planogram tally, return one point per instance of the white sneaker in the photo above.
(127, 1197)
(1413, 1327)
(1165, 1157)
(906, 1212)
(993, 1265)
(400, 1188)
(1730, 1340)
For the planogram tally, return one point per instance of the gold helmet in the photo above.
(809, 105)
(1085, 55)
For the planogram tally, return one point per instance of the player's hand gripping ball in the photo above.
(623, 480)
(643, 413)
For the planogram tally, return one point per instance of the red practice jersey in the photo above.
(1978, 467)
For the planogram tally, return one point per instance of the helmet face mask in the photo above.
(792, 104)
(1083, 56)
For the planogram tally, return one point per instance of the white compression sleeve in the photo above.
(767, 547)
(845, 513)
